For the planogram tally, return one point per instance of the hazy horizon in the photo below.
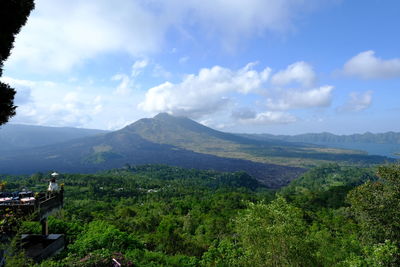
(18, 124)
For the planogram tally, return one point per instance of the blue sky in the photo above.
(262, 66)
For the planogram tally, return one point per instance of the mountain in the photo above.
(116, 149)
(190, 135)
(179, 141)
(385, 144)
(16, 136)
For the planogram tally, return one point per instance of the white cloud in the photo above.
(204, 93)
(73, 109)
(75, 105)
(299, 72)
(270, 117)
(125, 86)
(243, 97)
(299, 99)
(235, 20)
(138, 66)
(18, 82)
(357, 102)
(367, 66)
(221, 90)
(62, 34)
(128, 83)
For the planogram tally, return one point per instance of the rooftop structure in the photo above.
(26, 205)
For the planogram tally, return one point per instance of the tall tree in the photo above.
(376, 206)
(13, 15)
(274, 235)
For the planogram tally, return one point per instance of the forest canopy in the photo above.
(156, 215)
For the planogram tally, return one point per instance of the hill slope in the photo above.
(16, 136)
(114, 150)
(178, 141)
(188, 134)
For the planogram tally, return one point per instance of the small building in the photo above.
(40, 205)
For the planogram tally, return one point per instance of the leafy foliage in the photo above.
(273, 235)
(155, 215)
(376, 205)
(326, 185)
(13, 15)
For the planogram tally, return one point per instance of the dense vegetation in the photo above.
(154, 215)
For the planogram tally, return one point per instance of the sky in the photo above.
(246, 66)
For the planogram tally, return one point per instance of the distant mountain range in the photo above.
(16, 136)
(170, 140)
(379, 138)
(384, 144)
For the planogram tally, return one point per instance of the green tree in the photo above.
(168, 236)
(13, 15)
(274, 235)
(224, 253)
(376, 206)
(99, 235)
(383, 254)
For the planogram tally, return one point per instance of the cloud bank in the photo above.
(298, 99)
(299, 72)
(57, 104)
(215, 90)
(63, 34)
(366, 65)
(205, 93)
(357, 102)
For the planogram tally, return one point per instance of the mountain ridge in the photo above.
(116, 149)
(384, 144)
(188, 134)
(20, 136)
(178, 141)
(390, 137)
